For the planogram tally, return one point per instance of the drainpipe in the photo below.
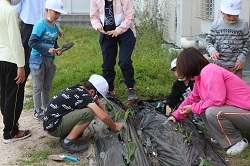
(185, 43)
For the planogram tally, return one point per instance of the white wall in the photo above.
(76, 6)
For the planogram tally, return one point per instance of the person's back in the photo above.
(228, 40)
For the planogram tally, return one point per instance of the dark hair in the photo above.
(88, 85)
(190, 62)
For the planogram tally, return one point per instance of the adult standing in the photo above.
(114, 19)
(219, 96)
(12, 73)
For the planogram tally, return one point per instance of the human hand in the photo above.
(118, 127)
(168, 110)
(59, 51)
(20, 78)
(102, 30)
(186, 110)
(238, 65)
(113, 33)
(52, 50)
(171, 118)
(215, 55)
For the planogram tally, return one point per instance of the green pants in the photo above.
(72, 119)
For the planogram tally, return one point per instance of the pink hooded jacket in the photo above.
(216, 86)
(123, 14)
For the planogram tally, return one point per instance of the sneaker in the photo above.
(131, 94)
(73, 147)
(214, 141)
(22, 134)
(238, 147)
(110, 94)
(63, 137)
(38, 114)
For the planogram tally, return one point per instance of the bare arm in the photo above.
(104, 117)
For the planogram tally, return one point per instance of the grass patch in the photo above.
(37, 157)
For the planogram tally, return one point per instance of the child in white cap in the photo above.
(43, 41)
(228, 40)
(70, 112)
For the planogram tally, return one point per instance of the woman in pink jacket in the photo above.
(219, 96)
(114, 19)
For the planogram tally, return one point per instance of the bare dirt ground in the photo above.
(22, 151)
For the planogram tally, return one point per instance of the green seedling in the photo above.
(117, 115)
(205, 163)
(127, 113)
(180, 129)
(130, 152)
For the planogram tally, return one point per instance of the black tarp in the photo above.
(159, 141)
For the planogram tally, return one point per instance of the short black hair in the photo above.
(88, 85)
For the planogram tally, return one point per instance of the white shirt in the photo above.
(11, 48)
(30, 11)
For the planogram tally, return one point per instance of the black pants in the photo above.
(11, 98)
(126, 42)
(26, 30)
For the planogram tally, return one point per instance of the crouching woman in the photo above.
(219, 96)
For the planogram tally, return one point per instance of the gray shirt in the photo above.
(230, 40)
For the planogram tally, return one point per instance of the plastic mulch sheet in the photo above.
(148, 138)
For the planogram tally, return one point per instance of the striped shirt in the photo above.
(230, 40)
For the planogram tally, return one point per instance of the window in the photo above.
(204, 9)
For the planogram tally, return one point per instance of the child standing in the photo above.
(115, 22)
(43, 42)
(228, 41)
(180, 90)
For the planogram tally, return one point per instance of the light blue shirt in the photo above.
(47, 38)
(30, 11)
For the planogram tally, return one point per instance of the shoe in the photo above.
(131, 94)
(238, 147)
(110, 94)
(22, 134)
(72, 147)
(214, 141)
(38, 114)
(63, 137)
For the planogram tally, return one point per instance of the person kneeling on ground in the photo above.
(70, 112)
(220, 97)
(180, 90)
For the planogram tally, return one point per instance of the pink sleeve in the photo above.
(94, 15)
(193, 97)
(128, 9)
(209, 90)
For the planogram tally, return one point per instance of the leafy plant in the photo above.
(130, 152)
(127, 113)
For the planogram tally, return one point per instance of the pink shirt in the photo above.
(123, 14)
(216, 86)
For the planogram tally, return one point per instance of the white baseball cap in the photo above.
(55, 5)
(173, 64)
(231, 7)
(100, 84)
